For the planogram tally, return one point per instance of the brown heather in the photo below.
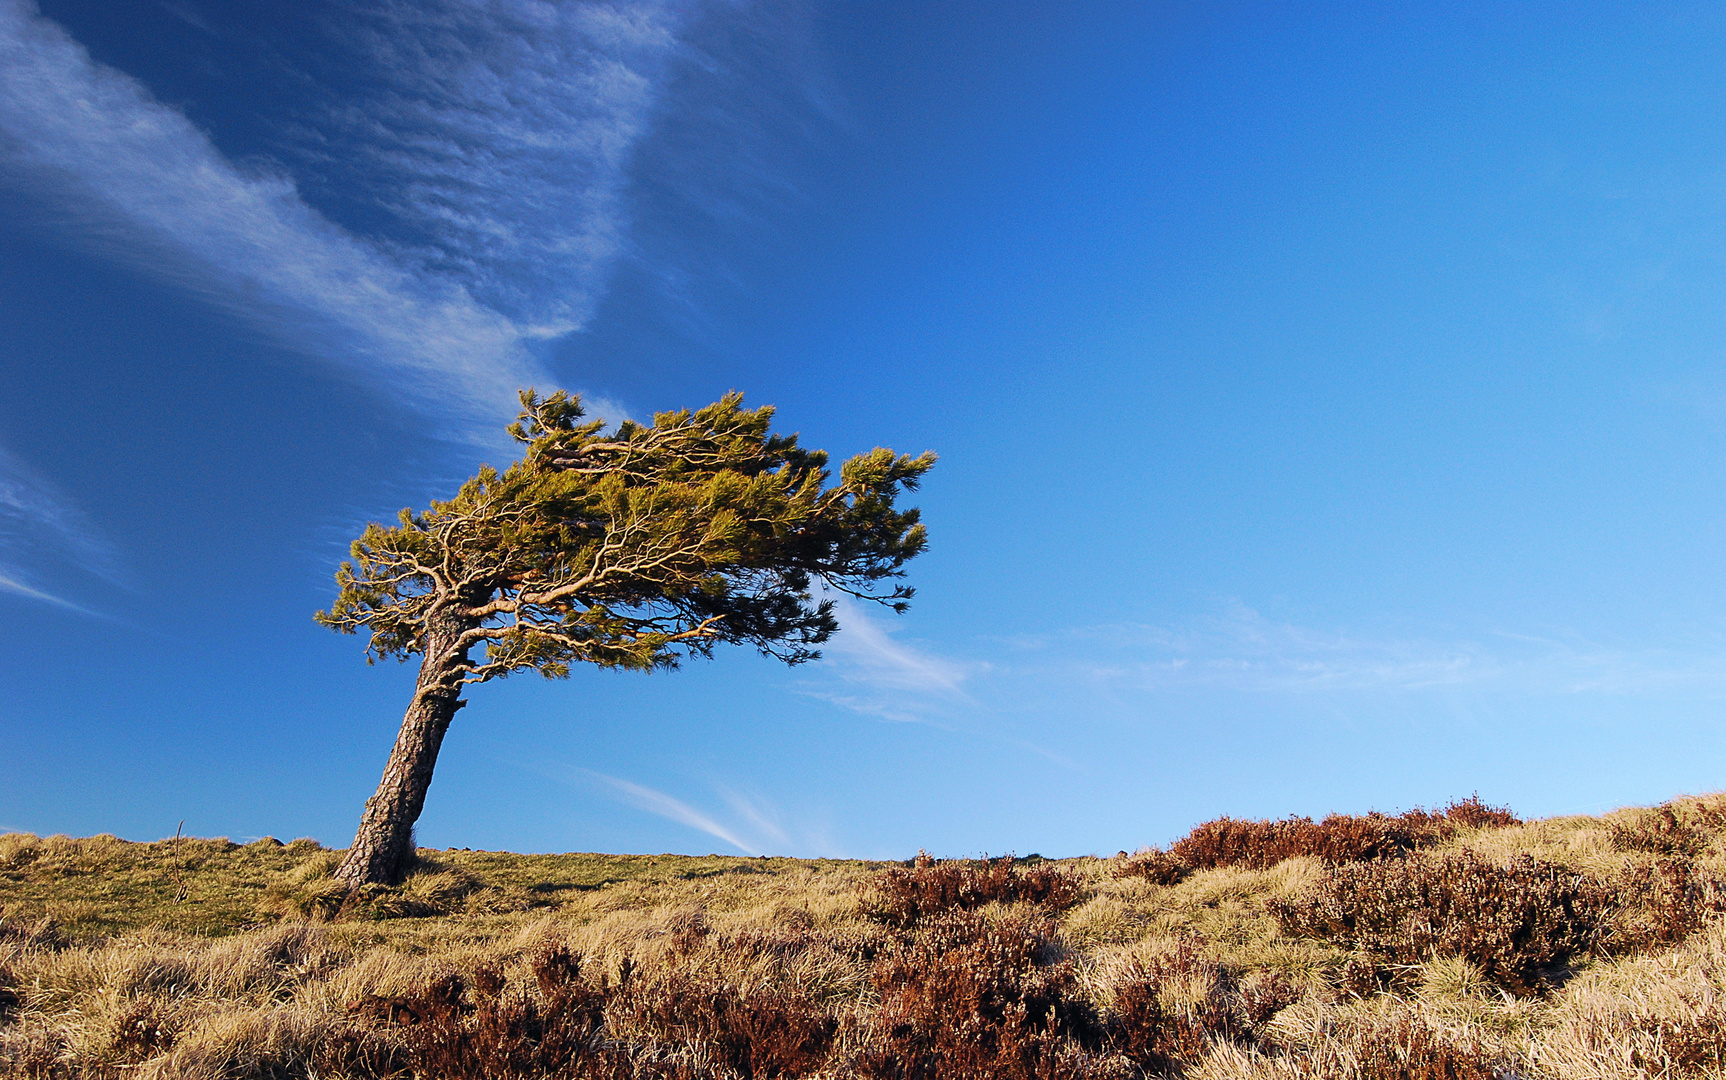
(929, 887)
(1260, 845)
(1519, 922)
(1457, 945)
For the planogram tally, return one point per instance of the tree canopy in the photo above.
(629, 548)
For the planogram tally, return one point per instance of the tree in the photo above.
(624, 549)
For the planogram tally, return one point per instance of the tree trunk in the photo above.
(383, 849)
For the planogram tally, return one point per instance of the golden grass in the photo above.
(228, 961)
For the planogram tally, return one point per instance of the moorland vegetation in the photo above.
(1461, 944)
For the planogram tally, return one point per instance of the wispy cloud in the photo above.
(666, 806)
(750, 822)
(1056, 693)
(866, 670)
(758, 813)
(495, 136)
(1241, 650)
(41, 527)
(186, 14)
(13, 585)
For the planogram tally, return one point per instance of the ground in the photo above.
(1570, 947)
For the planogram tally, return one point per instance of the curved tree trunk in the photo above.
(383, 849)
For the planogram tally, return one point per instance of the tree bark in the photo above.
(383, 848)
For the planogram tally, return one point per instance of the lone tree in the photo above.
(624, 549)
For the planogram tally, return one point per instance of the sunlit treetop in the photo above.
(632, 547)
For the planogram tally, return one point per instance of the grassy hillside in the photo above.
(1461, 944)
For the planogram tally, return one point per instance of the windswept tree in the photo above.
(628, 549)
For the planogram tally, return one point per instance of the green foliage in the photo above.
(632, 548)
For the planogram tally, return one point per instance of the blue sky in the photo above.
(1330, 401)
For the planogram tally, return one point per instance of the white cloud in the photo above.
(753, 823)
(13, 585)
(39, 525)
(497, 136)
(870, 655)
(865, 670)
(497, 139)
(666, 806)
(1051, 693)
(1242, 651)
(188, 16)
(760, 814)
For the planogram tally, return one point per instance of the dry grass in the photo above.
(1566, 948)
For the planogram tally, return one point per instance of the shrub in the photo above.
(1691, 1046)
(902, 897)
(1168, 1009)
(142, 1031)
(1409, 1049)
(1518, 921)
(678, 1022)
(1472, 813)
(480, 1028)
(963, 996)
(966, 996)
(1153, 864)
(1261, 995)
(36, 1053)
(1675, 896)
(693, 1002)
(1260, 845)
(1660, 831)
(356, 1052)
(1355, 977)
(761, 1033)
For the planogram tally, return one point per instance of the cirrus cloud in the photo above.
(496, 136)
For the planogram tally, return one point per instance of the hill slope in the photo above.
(1459, 944)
